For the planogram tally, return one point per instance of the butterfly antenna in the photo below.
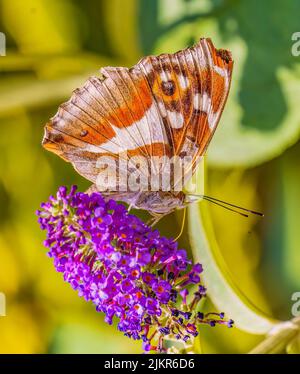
(226, 207)
(182, 225)
(229, 206)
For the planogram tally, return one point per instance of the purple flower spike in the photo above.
(124, 267)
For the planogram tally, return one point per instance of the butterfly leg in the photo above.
(133, 201)
(154, 219)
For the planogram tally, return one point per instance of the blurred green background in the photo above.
(53, 46)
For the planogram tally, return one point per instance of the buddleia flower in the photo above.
(128, 270)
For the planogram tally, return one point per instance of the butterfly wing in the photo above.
(167, 105)
(111, 118)
(190, 88)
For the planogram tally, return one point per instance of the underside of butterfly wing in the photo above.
(109, 117)
(164, 107)
(190, 88)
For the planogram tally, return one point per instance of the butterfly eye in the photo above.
(168, 87)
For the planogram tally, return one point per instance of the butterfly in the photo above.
(164, 108)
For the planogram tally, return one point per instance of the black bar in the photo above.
(149, 362)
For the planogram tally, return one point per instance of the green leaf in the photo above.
(238, 143)
(281, 235)
(221, 289)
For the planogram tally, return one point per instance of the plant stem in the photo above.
(278, 337)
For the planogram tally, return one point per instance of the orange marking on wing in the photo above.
(213, 83)
(156, 149)
(218, 91)
(52, 140)
(167, 90)
(133, 102)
